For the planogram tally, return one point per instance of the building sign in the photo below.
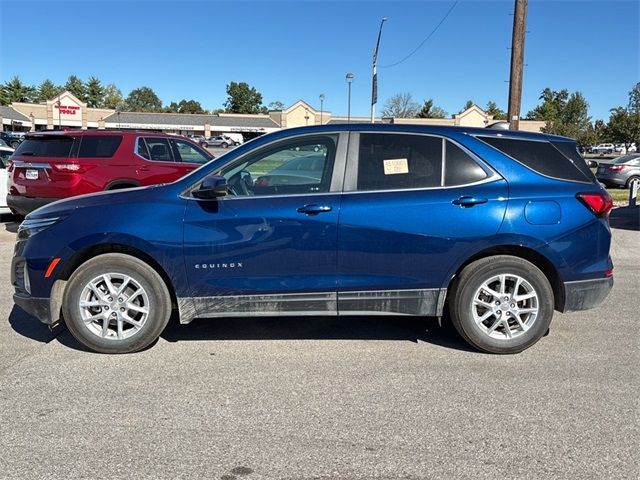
(67, 109)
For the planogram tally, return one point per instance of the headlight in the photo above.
(31, 226)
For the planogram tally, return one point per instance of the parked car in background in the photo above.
(237, 138)
(620, 172)
(500, 228)
(219, 141)
(5, 153)
(11, 139)
(55, 165)
(196, 138)
(623, 150)
(603, 148)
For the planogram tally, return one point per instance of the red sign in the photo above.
(67, 109)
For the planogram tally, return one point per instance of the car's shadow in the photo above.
(411, 329)
(625, 218)
(11, 222)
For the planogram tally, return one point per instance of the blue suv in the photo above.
(496, 229)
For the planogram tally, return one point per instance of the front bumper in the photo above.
(36, 307)
(25, 205)
(586, 294)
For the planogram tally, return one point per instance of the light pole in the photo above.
(306, 116)
(321, 102)
(349, 78)
(374, 74)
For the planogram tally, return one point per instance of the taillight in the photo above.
(10, 166)
(616, 168)
(599, 203)
(68, 167)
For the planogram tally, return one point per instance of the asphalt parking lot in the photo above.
(374, 398)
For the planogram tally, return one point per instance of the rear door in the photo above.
(188, 156)
(412, 206)
(159, 164)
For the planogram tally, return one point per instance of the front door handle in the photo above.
(314, 209)
(468, 201)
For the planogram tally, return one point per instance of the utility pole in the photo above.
(374, 74)
(517, 60)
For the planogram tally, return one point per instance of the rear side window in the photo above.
(540, 156)
(158, 149)
(98, 146)
(460, 168)
(45, 147)
(570, 150)
(390, 162)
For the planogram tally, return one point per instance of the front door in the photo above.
(269, 246)
(415, 204)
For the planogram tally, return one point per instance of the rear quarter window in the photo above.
(98, 146)
(45, 147)
(541, 157)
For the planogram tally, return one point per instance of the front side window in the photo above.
(392, 161)
(186, 152)
(294, 167)
(99, 146)
(157, 149)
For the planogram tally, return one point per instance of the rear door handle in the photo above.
(144, 168)
(314, 209)
(468, 201)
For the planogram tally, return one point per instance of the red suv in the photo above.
(55, 165)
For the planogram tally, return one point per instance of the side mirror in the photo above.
(211, 188)
(592, 164)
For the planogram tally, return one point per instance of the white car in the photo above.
(604, 148)
(5, 153)
(624, 150)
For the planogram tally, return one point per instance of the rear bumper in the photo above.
(25, 205)
(586, 294)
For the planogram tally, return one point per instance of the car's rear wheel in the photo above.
(14, 145)
(116, 303)
(501, 304)
(224, 145)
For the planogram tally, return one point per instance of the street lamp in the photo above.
(306, 116)
(349, 78)
(374, 74)
(321, 102)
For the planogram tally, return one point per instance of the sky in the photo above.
(291, 50)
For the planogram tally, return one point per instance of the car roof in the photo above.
(426, 129)
(80, 133)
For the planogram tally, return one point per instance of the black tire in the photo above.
(14, 145)
(467, 285)
(631, 180)
(158, 305)
(120, 186)
(224, 145)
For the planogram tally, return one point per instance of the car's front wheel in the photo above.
(501, 304)
(116, 303)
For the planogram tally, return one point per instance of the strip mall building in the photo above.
(68, 112)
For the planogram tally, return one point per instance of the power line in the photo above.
(426, 38)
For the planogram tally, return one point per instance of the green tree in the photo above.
(429, 110)
(400, 105)
(624, 123)
(243, 99)
(112, 97)
(467, 106)
(94, 93)
(190, 106)
(48, 90)
(143, 99)
(276, 105)
(76, 87)
(563, 113)
(497, 113)
(15, 91)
